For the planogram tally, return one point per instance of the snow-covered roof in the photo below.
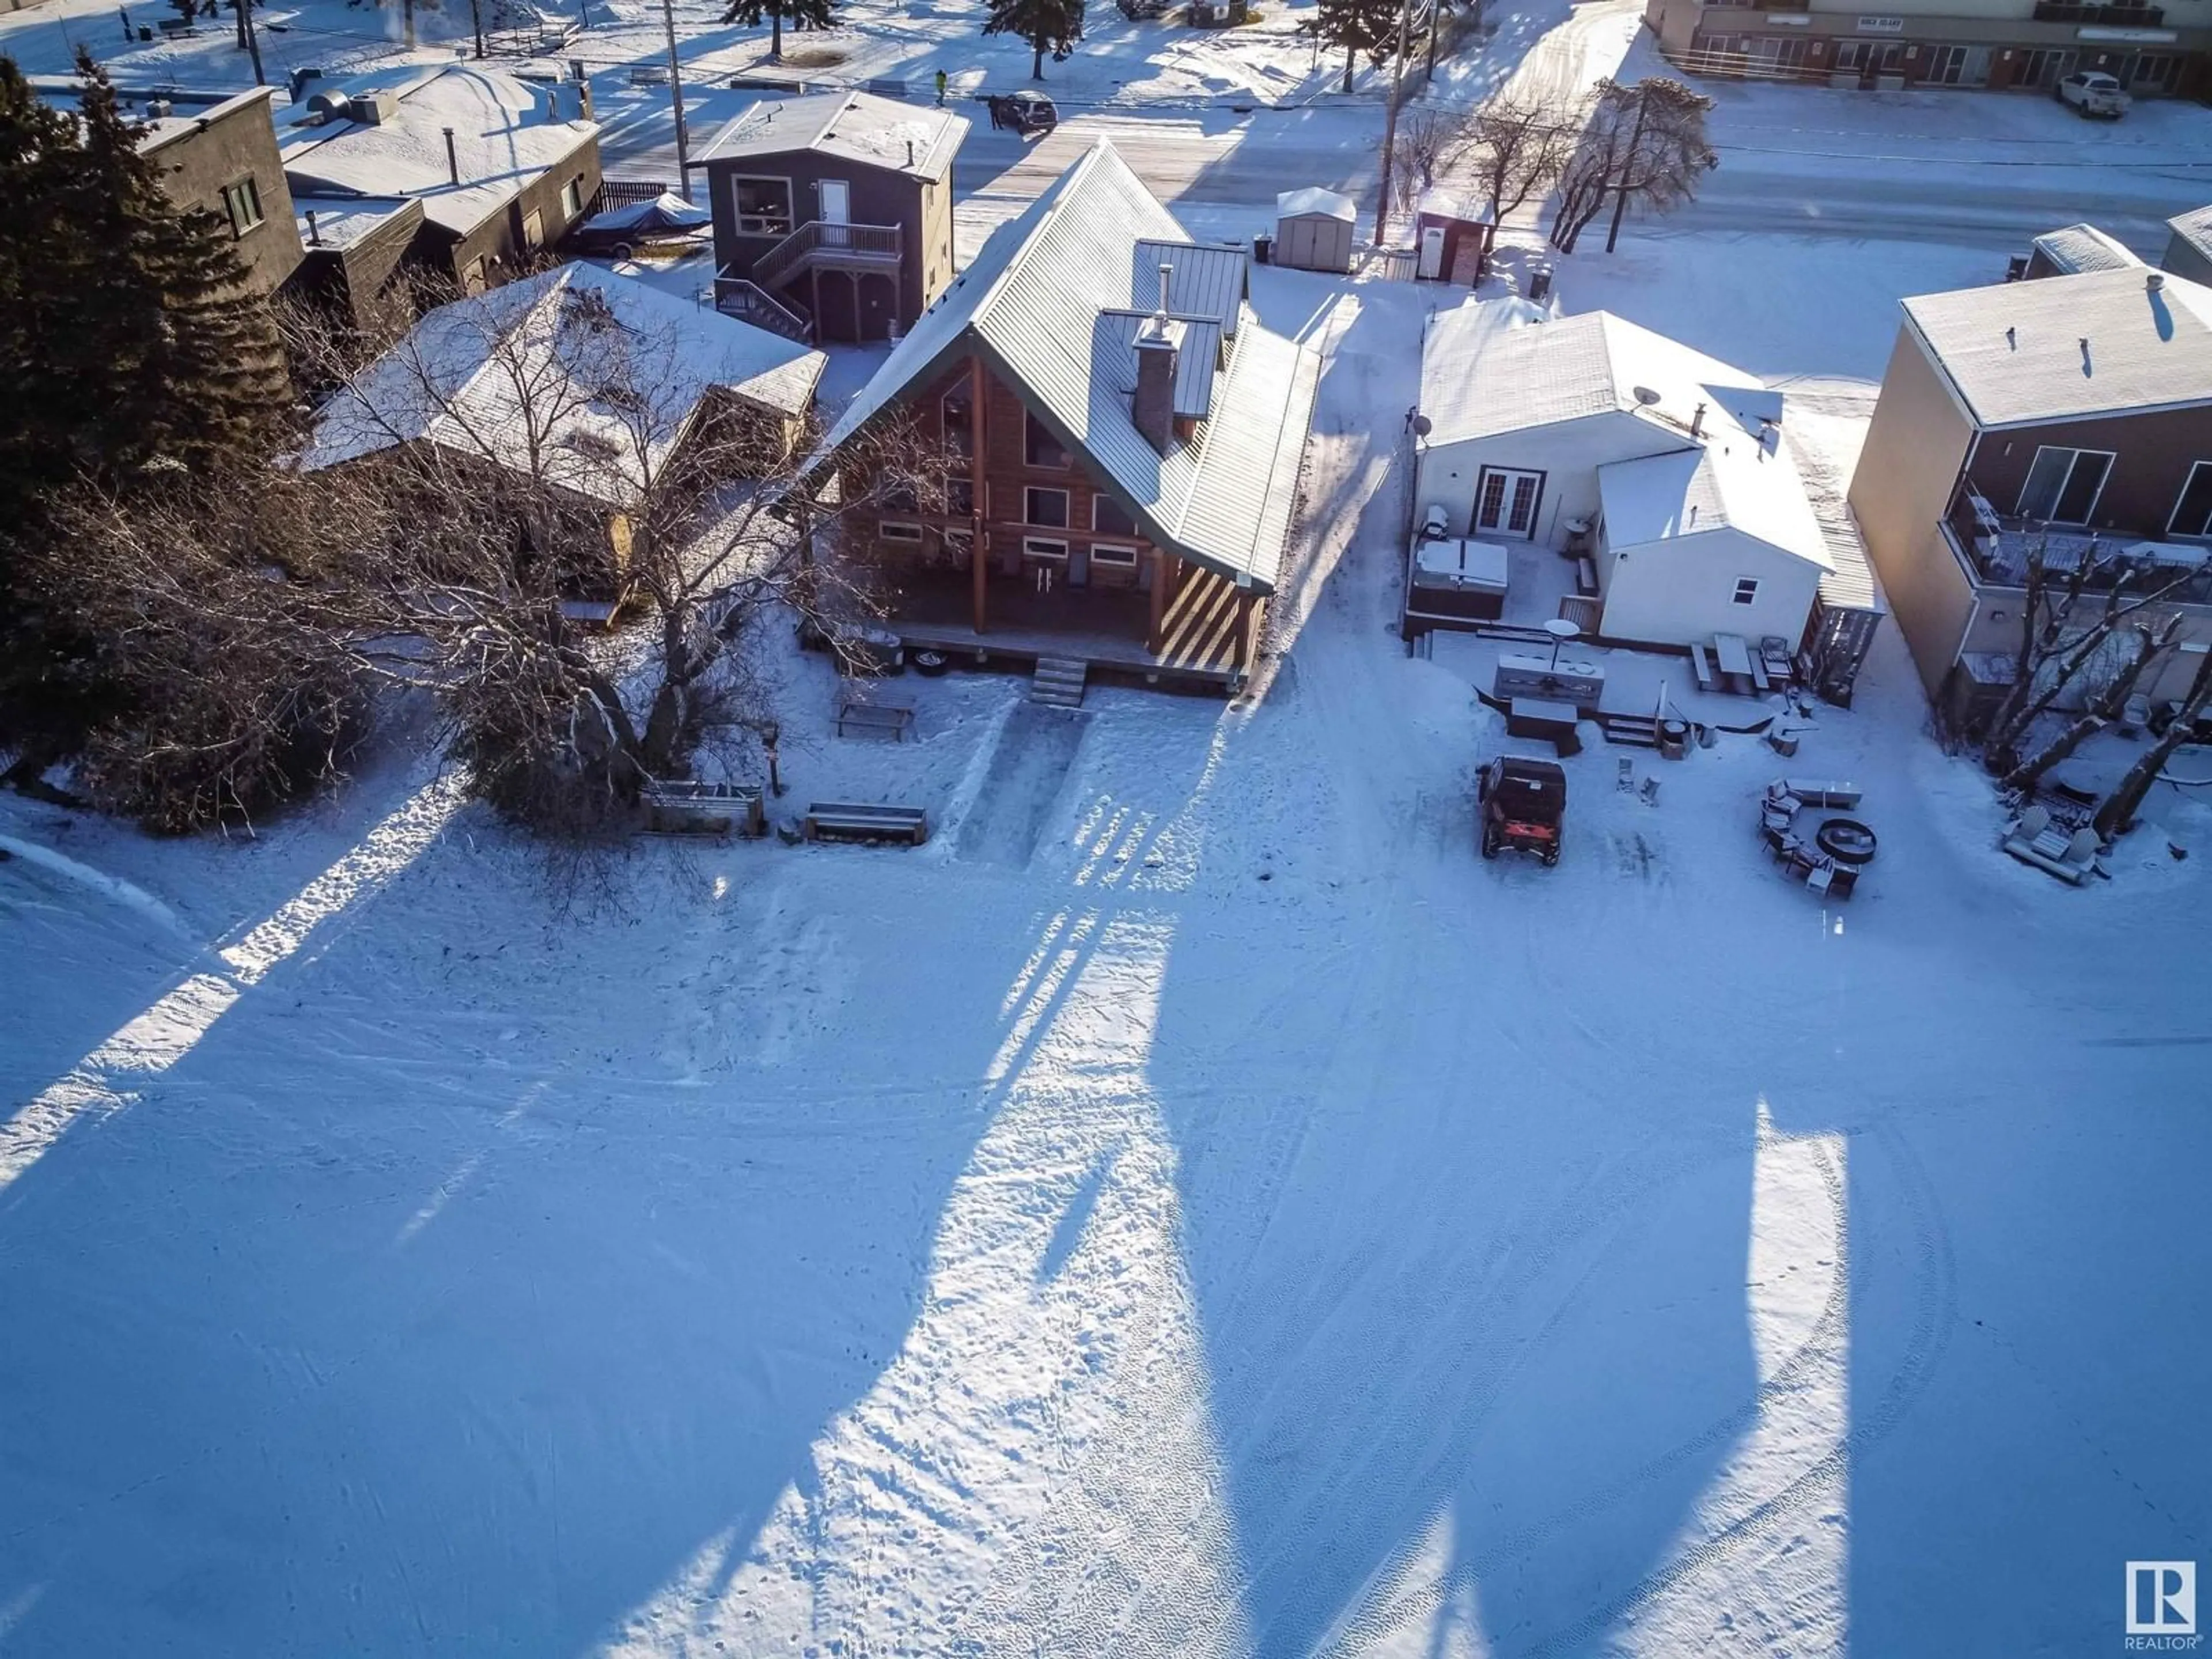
(1729, 479)
(1443, 204)
(165, 129)
(1509, 366)
(507, 133)
(1296, 203)
(2064, 348)
(854, 126)
(2195, 228)
(2083, 248)
(1030, 306)
(603, 374)
(340, 221)
(1454, 559)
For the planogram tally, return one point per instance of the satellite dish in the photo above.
(1646, 396)
(1422, 426)
(1560, 629)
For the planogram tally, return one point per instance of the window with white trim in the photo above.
(1746, 590)
(1041, 448)
(241, 204)
(892, 530)
(571, 197)
(1045, 507)
(1110, 518)
(1109, 556)
(1039, 547)
(2193, 509)
(763, 206)
(2064, 484)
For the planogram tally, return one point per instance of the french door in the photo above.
(1505, 501)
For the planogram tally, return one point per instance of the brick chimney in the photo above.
(1159, 344)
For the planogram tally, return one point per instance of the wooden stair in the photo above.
(1638, 730)
(1060, 681)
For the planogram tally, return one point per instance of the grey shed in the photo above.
(1313, 229)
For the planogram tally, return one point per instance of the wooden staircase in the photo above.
(1059, 680)
(1638, 731)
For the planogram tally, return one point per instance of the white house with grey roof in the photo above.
(1671, 471)
(1123, 436)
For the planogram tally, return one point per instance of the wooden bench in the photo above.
(828, 820)
(691, 806)
(176, 28)
(648, 75)
(874, 718)
(1758, 675)
(1701, 664)
(1810, 792)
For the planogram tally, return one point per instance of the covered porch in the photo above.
(1201, 634)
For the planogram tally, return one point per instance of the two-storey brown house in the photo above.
(224, 160)
(833, 213)
(1123, 438)
(459, 170)
(2070, 418)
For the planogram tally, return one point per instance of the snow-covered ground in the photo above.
(1194, 1205)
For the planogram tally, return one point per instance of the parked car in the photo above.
(620, 232)
(1026, 111)
(1522, 805)
(2093, 92)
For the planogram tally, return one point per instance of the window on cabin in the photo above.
(1041, 449)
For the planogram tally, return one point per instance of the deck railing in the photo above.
(2001, 546)
(819, 240)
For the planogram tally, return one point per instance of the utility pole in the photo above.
(1390, 120)
(675, 96)
(1430, 73)
(250, 41)
(476, 18)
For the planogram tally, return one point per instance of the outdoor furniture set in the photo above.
(1830, 864)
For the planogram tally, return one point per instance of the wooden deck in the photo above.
(1104, 630)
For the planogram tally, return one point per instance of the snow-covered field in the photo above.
(1246, 1223)
(1194, 1205)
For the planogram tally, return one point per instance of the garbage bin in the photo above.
(1263, 250)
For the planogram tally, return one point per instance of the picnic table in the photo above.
(873, 719)
(1733, 655)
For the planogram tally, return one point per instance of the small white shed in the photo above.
(1313, 229)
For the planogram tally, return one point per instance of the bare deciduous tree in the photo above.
(1645, 143)
(2056, 642)
(2116, 815)
(2147, 644)
(1520, 148)
(1431, 143)
(563, 462)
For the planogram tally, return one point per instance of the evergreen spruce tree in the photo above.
(1048, 26)
(1358, 26)
(807, 13)
(128, 339)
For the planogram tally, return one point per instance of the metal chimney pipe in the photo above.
(453, 158)
(314, 236)
(1166, 271)
(1698, 422)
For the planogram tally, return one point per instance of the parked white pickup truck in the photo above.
(2092, 92)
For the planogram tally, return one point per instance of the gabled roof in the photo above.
(2066, 348)
(1031, 306)
(1509, 366)
(507, 133)
(2083, 248)
(604, 374)
(1328, 203)
(854, 126)
(1730, 481)
(2194, 229)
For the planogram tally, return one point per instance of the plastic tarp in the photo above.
(666, 214)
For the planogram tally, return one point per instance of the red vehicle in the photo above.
(1522, 805)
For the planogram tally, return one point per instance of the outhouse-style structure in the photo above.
(1451, 238)
(1313, 230)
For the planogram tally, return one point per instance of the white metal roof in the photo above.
(2084, 248)
(1030, 305)
(2064, 348)
(603, 374)
(1328, 203)
(1729, 480)
(854, 126)
(507, 133)
(1204, 279)
(1510, 366)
